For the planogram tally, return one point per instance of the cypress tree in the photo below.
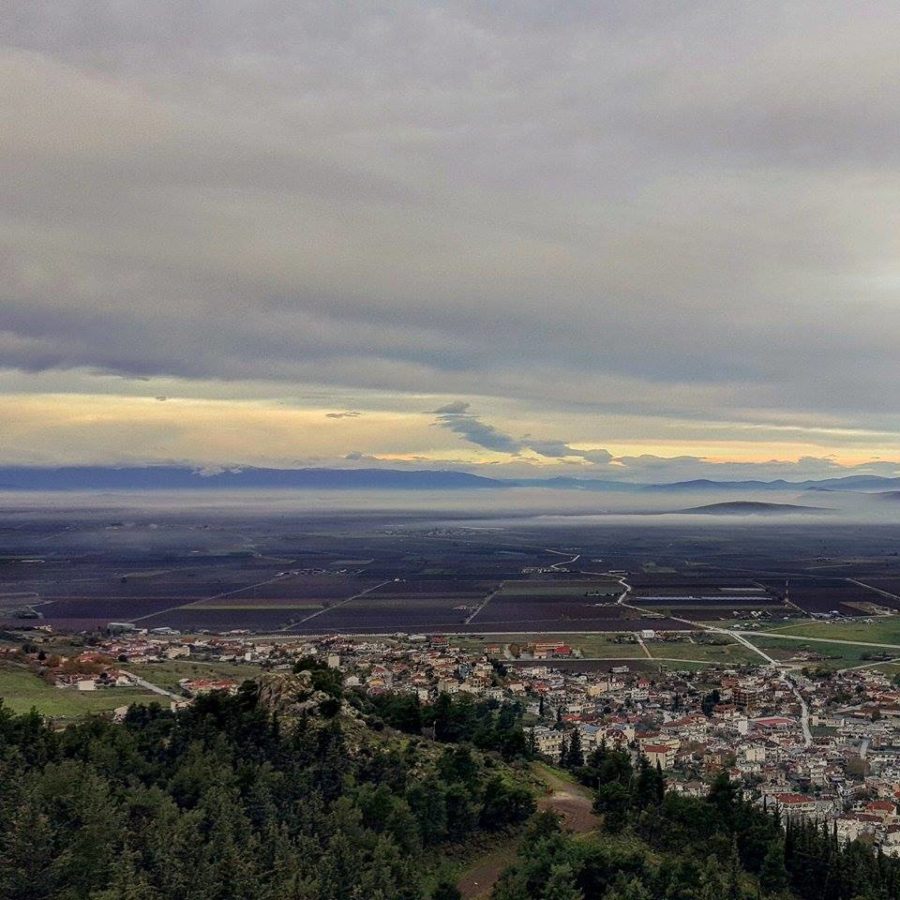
(574, 757)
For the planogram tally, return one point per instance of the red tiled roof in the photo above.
(788, 799)
(884, 805)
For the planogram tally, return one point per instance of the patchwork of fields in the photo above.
(376, 572)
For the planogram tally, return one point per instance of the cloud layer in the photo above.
(616, 226)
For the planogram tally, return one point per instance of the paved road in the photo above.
(804, 709)
(877, 590)
(739, 636)
(485, 602)
(326, 609)
(181, 606)
(568, 562)
(153, 688)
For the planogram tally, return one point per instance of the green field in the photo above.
(885, 630)
(21, 690)
(731, 653)
(168, 674)
(602, 646)
(593, 646)
(889, 668)
(838, 656)
(690, 664)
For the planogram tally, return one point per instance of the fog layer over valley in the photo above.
(508, 503)
(458, 561)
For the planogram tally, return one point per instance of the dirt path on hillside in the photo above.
(571, 801)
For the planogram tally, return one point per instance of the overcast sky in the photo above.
(635, 240)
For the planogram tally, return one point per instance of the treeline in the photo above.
(718, 847)
(223, 800)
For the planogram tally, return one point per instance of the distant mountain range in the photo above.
(848, 483)
(142, 478)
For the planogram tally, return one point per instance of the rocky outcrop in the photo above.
(290, 694)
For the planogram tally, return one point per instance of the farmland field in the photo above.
(168, 674)
(596, 590)
(191, 618)
(606, 647)
(836, 656)
(21, 690)
(727, 653)
(534, 602)
(822, 595)
(879, 630)
(603, 646)
(234, 603)
(313, 569)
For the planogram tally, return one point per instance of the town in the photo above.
(812, 743)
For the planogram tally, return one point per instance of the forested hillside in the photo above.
(309, 794)
(226, 799)
(659, 845)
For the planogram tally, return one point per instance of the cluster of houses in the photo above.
(838, 760)
(825, 748)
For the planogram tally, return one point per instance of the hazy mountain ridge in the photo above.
(73, 478)
(750, 507)
(173, 477)
(862, 483)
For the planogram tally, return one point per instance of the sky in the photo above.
(644, 241)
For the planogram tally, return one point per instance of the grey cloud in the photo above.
(553, 449)
(458, 407)
(456, 417)
(599, 457)
(349, 414)
(560, 449)
(580, 205)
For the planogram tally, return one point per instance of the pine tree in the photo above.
(712, 883)
(561, 885)
(127, 883)
(446, 890)
(773, 875)
(26, 854)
